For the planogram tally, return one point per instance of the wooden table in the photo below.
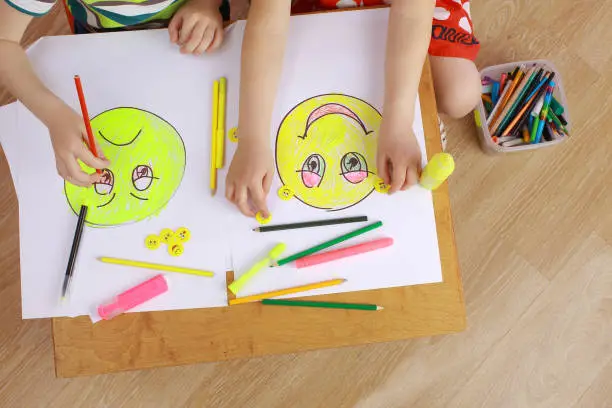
(154, 339)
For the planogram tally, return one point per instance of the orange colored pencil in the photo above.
(85, 114)
(519, 116)
(513, 98)
(505, 102)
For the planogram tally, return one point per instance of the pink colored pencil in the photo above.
(343, 252)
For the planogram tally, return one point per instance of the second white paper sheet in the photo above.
(339, 58)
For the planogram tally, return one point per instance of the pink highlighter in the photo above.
(132, 298)
(323, 257)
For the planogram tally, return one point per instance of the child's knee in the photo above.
(458, 98)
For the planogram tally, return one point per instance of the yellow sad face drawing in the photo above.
(326, 151)
(147, 159)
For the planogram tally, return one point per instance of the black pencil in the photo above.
(73, 251)
(310, 224)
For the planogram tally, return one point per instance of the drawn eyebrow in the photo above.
(140, 198)
(120, 144)
(108, 202)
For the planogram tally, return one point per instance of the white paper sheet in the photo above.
(329, 53)
(342, 53)
(142, 70)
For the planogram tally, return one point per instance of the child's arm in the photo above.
(409, 33)
(65, 125)
(252, 169)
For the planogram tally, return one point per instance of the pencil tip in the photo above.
(379, 308)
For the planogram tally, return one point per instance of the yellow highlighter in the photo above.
(275, 253)
(213, 138)
(439, 168)
(220, 132)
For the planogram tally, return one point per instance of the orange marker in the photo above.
(85, 114)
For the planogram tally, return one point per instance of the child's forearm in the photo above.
(408, 39)
(261, 66)
(17, 75)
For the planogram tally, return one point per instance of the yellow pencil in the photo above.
(288, 291)
(213, 137)
(158, 267)
(221, 124)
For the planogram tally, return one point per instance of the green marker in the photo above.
(325, 305)
(329, 243)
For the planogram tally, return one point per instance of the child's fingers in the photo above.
(229, 191)
(206, 40)
(411, 178)
(267, 182)
(186, 29)
(259, 199)
(89, 159)
(383, 168)
(174, 27)
(241, 201)
(398, 176)
(217, 39)
(77, 176)
(194, 39)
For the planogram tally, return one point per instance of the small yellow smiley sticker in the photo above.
(182, 234)
(152, 241)
(260, 218)
(380, 186)
(285, 193)
(232, 135)
(176, 249)
(166, 235)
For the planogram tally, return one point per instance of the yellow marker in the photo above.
(275, 253)
(285, 193)
(213, 137)
(260, 218)
(166, 235)
(288, 291)
(380, 186)
(182, 234)
(232, 135)
(221, 124)
(439, 168)
(152, 241)
(158, 267)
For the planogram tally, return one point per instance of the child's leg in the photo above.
(456, 85)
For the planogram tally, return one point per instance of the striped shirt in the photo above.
(112, 15)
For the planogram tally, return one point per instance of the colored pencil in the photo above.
(517, 85)
(522, 117)
(90, 138)
(76, 241)
(510, 86)
(287, 291)
(521, 92)
(157, 267)
(340, 253)
(220, 132)
(310, 224)
(328, 244)
(325, 305)
(213, 137)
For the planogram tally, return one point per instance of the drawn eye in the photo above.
(313, 170)
(106, 183)
(142, 177)
(354, 167)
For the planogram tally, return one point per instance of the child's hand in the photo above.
(67, 131)
(250, 177)
(197, 27)
(398, 158)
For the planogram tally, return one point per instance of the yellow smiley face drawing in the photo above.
(147, 157)
(326, 151)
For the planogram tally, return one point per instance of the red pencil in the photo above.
(90, 137)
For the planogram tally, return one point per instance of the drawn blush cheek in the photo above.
(356, 176)
(310, 179)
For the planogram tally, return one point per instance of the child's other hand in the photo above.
(67, 131)
(250, 177)
(197, 27)
(398, 158)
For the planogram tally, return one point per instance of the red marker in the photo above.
(85, 114)
(343, 252)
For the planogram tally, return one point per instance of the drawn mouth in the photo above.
(140, 198)
(108, 202)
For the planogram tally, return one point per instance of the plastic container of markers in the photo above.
(494, 72)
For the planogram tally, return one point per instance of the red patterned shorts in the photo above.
(451, 30)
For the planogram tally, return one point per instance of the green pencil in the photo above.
(326, 305)
(327, 244)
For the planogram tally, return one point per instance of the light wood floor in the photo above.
(534, 234)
